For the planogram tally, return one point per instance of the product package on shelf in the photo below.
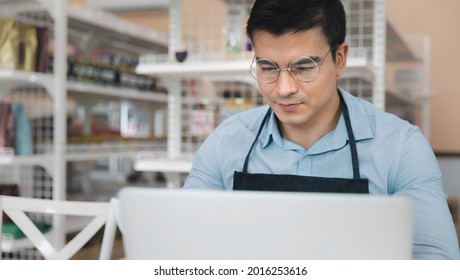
(7, 126)
(32, 117)
(15, 131)
(43, 37)
(23, 142)
(18, 45)
(105, 68)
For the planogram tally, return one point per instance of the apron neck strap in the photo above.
(267, 115)
(351, 138)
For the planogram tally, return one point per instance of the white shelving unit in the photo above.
(108, 31)
(111, 91)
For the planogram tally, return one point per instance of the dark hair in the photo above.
(279, 17)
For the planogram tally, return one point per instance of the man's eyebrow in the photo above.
(315, 58)
(268, 60)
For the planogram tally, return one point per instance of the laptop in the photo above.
(175, 224)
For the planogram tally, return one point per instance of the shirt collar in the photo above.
(271, 132)
(360, 121)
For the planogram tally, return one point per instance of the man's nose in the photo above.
(286, 83)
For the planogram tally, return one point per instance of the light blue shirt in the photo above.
(393, 155)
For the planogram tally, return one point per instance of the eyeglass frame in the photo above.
(319, 66)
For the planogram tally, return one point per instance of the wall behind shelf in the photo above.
(211, 19)
(442, 27)
(155, 18)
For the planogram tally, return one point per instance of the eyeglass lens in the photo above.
(303, 69)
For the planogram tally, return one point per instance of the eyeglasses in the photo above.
(304, 69)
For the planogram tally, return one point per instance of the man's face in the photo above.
(295, 103)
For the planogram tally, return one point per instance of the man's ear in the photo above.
(341, 59)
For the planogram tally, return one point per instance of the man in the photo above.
(316, 137)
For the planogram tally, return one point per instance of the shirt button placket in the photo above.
(305, 165)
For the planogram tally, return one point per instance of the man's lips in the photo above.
(288, 106)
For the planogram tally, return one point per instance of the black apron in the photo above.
(295, 183)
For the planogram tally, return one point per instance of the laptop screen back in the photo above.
(180, 224)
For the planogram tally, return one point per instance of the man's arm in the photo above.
(205, 171)
(418, 177)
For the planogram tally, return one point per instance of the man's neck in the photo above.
(307, 135)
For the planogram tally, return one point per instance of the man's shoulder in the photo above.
(360, 108)
(249, 118)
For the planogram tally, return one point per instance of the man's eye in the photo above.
(304, 68)
(269, 69)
